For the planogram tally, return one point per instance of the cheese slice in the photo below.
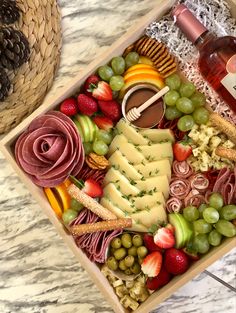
(131, 152)
(158, 135)
(155, 184)
(120, 181)
(119, 162)
(157, 168)
(148, 201)
(157, 151)
(116, 142)
(111, 207)
(131, 133)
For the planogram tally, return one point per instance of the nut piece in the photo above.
(97, 162)
(128, 302)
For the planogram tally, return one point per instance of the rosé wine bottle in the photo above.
(217, 55)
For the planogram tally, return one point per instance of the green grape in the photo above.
(201, 208)
(104, 136)
(211, 215)
(191, 213)
(171, 97)
(198, 99)
(76, 205)
(185, 105)
(88, 147)
(100, 147)
(185, 123)
(201, 116)
(201, 243)
(216, 200)
(214, 238)
(118, 65)
(187, 89)
(131, 59)
(225, 228)
(117, 82)
(105, 72)
(228, 212)
(173, 82)
(201, 226)
(68, 216)
(172, 113)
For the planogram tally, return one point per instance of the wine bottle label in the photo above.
(229, 81)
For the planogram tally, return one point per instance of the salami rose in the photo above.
(200, 182)
(182, 169)
(180, 188)
(50, 149)
(174, 205)
(194, 198)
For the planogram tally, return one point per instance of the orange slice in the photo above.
(141, 72)
(64, 196)
(53, 202)
(145, 60)
(139, 67)
(67, 183)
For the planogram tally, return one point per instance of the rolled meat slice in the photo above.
(182, 169)
(194, 198)
(200, 182)
(174, 205)
(179, 188)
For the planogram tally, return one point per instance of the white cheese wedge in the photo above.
(119, 162)
(136, 227)
(131, 133)
(111, 207)
(148, 201)
(131, 152)
(157, 151)
(116, 142)
(155, 184)
(157, 168)
(158, 135)
(120, 181)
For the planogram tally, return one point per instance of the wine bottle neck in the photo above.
(204, 39)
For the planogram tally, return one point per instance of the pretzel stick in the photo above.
(82, 229)
(90, 203)
(229, 154)
(224, 126)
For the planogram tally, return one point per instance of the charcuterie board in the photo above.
(131, 199)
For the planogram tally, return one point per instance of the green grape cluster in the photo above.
(211, 222)
(183, 101)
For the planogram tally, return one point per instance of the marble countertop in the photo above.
(38, 272)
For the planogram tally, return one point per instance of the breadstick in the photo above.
(229, 154)
(82, 229)
(223, 125)
(90, 203)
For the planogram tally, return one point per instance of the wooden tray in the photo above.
(6, 147)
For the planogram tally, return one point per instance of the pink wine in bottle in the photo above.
(217, 55)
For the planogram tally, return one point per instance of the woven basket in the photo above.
(41, 23)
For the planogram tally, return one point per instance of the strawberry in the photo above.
(90, 83)
(92, 188)
(176, 261)
(103, 122)
(87, 105)
(151, 265)
(182, 150)
(102, 91)
(150, 244)
(160, 280)
(69, 107)
(111, 109)
(164, 238)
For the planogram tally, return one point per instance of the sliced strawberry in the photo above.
(69, 107)
(182, 150)
(92, 188)
(170, 227)
(102, 91)
(103, 122)
(160, 280)
(110, 109)
(164, 238)
(90, 83)
(151, 265)
(87, 105)
(150, 244)
(176, 261)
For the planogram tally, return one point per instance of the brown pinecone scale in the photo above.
(9, 11)
(14, 48)
(5, 84)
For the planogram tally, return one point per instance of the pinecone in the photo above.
(14, 48)
(5, 84)
(9, 12)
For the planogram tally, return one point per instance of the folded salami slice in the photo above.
(182, 169)
(86, 173)
(222, 177)
(174, 205)
(200, 182)
(179, 188)
(50, 149)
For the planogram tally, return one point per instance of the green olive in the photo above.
(122, 265)
(120, 253)
(116, 243)
(132, 251)
(112, 250)
(129, 260)
(137, 240)
(126, 240)
(136, 268)
(112, 263)
(142, 251)
(128, 272)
